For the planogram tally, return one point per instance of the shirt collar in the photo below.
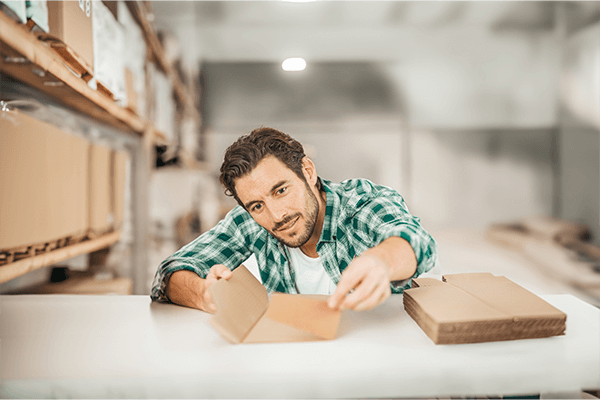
(332, 208)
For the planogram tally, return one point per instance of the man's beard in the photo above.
(311, 212)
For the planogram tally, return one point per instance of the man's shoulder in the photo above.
(358, 192)
(361, 187)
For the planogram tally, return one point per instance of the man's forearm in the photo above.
(398, 256)
(185, 288)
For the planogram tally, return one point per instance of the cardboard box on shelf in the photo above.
(101, 218)
(72, 25)
(43, 175)
(37, 15)
(480, 307)
(245, 314)
(15, 9)
(118, 179)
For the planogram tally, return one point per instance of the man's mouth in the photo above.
(288, 225)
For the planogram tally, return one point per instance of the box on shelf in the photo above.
(43, 175)
(480, 307)
(245, 314)
(15, 9)
(71, 24)
(101, 218)
(37, 15)
(164, 107)
(118, 182)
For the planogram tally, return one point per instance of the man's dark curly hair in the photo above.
(246, 152)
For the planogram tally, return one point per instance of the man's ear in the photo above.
(310, 171)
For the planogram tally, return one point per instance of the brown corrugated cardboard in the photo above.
(43, 176)
(118, 179)
(101, 218)
(71, 25)
(245, 314)
(480, 307)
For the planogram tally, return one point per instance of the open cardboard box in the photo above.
(245, 314)
(480, 307)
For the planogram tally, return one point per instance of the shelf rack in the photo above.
(20, 267)
(25, 58)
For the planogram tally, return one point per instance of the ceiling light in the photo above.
(293, 64)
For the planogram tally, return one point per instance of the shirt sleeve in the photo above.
(387, 215)
(228, 243)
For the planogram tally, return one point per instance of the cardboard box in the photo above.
(118, 185)
(101, 218)
(43, 176)
(245, 314)
(480, 307)
(72, 25)
(15, 9)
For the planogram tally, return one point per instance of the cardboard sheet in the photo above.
(245, 314)
(480, 307)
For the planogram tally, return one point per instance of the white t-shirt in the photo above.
(311, 277)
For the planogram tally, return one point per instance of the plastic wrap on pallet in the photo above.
(134, 57)
(15, 9)
(109, 67)
(164, 106)
(37, 11)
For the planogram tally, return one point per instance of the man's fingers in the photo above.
(348, 282)
(378, 296)
(364, 290)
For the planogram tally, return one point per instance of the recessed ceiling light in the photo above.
(293, 64)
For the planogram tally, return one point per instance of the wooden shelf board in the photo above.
(46, 71)
(25, 265)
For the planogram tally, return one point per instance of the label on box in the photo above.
(82, 5)
(88, 8)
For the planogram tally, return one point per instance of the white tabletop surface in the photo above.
(128, 347)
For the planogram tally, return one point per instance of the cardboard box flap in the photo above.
(503, 295)
(268, 330)
(241, 302)
(457, 305)
(244, 313)
(422, 282)
(306, 313)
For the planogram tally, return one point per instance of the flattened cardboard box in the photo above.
(245, 314)
(480, 307)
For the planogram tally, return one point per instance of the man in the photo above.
(355, 240)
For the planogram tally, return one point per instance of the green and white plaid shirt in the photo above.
(359, 215)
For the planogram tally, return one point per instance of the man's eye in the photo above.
(257, 207)
(282, 190)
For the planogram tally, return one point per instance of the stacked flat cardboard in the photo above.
(118, 182)
(245, 314)
(72, 25)
(43, 176)
(101, 218)
(480, 307)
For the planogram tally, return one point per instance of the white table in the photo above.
(128, 347)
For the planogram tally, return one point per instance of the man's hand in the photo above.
(186, 288)
(364, 285)
(218, 271)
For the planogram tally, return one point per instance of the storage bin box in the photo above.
(72, 25)
(43, 176)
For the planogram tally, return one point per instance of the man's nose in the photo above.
(278, 212)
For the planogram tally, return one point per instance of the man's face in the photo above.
(279, 201)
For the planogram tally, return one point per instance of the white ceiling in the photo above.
(339, 30)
